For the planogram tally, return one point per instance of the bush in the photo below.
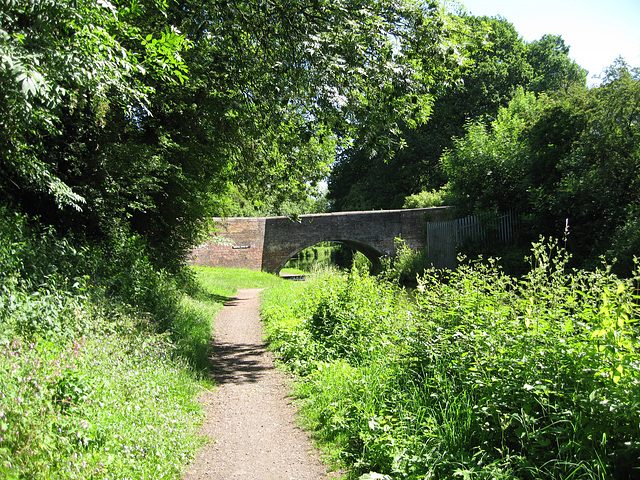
(349, 316)
(552, 361)
(406, 266)
(487, 376)
(426, 199)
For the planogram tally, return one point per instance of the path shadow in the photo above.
(237, 363)
(211, 297)
(233, 301)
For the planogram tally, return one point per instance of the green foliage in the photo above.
(60, 54)
(488, 376)
(343, 317)
(99, 373)
(487, 166)
(603, 167)
(141, 117)
(361, 263)
(89, 389)
(44, 279)
(533, 354)
(315, 257)
(311, 200)
(499, 62)
(95, 406)
(407, 265)
(426, 199)
(553, 69)
(567, 160)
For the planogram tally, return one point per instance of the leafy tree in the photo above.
(500, 63)
(552, 67)
(284, 86)
(78, 77)
(140, 115)
(569, 162)
(601, 174)
(237, 205)
(488, 165)
(60, 55)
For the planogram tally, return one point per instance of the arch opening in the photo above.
(340, 253)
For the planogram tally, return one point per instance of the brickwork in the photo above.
(268, 243)
(237, 243)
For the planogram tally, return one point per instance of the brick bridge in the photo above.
(267, 243)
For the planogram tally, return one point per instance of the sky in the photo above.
(597, 31)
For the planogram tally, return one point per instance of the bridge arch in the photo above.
(267, 243)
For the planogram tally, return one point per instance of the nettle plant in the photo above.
(486, 376)
(551, 361)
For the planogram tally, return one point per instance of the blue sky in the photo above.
(597, 31)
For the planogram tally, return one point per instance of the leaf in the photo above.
(108, 5)
(8, 60)
(29, 86)
(373, 424)
(374, 476)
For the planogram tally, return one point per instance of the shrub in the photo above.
(406, 266)
(551, 361)
(426, 199)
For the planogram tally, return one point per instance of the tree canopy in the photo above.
(570, 162)
(499, 63)
(145, 118)
(139, 116)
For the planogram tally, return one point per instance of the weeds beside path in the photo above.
(475, 375)
(249, 416)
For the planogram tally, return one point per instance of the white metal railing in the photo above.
(443, 238)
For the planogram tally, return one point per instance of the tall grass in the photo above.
(89, 390)
(484, 376)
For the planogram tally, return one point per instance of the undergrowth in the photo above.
(89, 389)
(481, 376)
(101, 357)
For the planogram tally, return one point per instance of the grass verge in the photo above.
(106, 397)
(90, 388)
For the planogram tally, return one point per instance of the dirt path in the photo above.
(250, 418)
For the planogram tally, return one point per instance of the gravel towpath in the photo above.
(250, 418)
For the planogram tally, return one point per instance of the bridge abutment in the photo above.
(237, 243)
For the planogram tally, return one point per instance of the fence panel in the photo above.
(441, 242)
(443, 238)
